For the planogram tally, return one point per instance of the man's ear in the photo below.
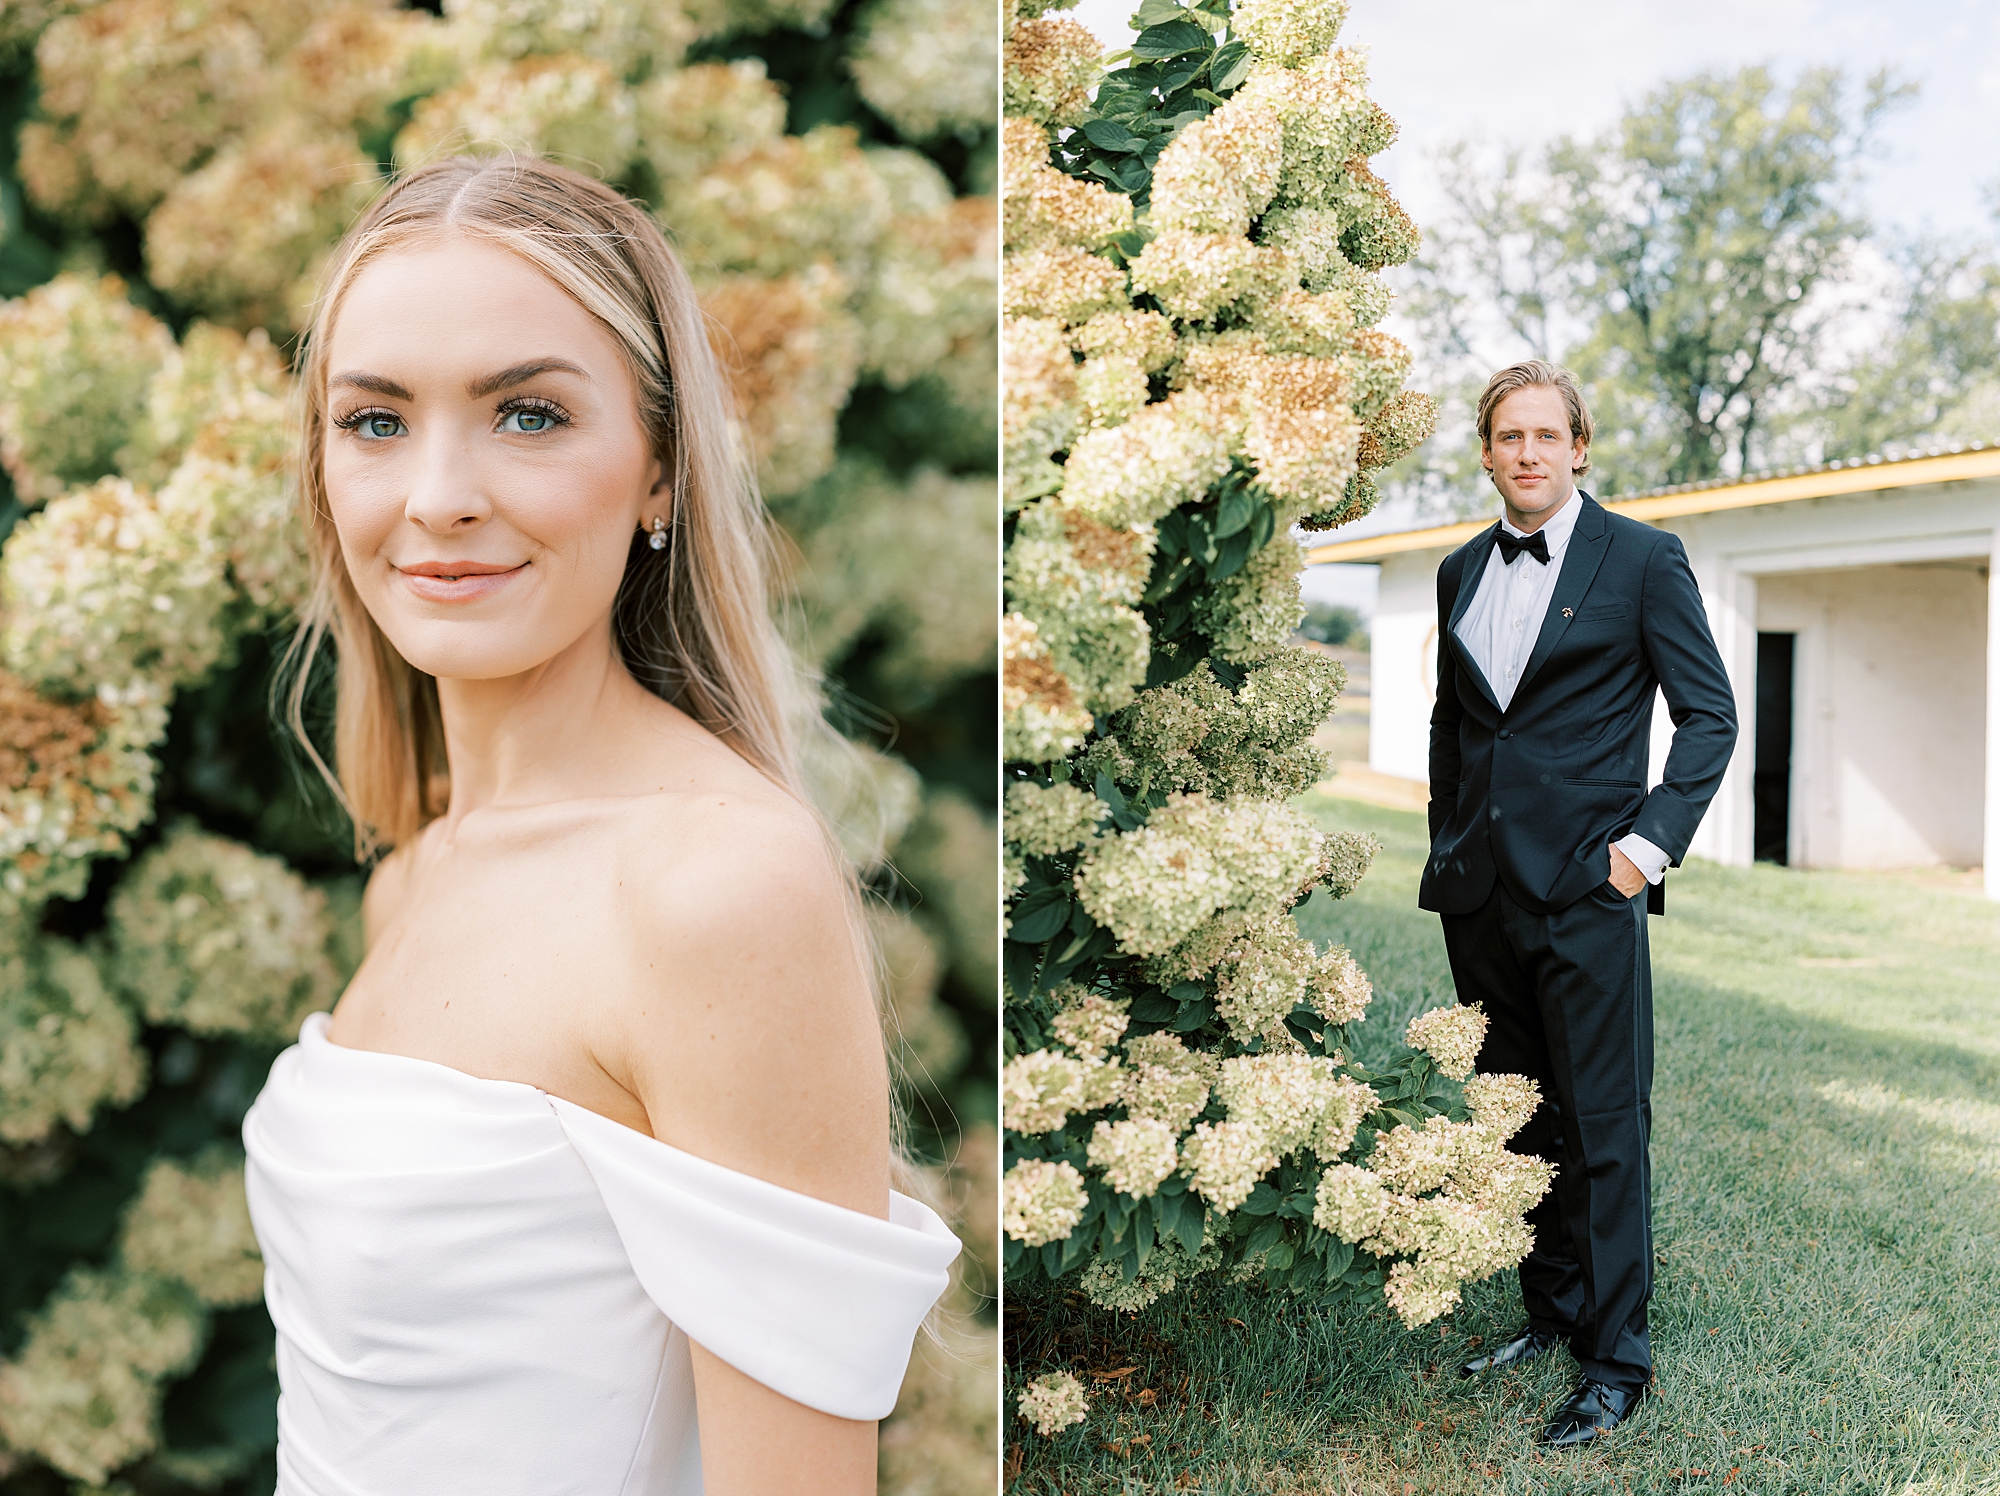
(1486, 457)
(1579, 458)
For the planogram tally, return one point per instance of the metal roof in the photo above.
(1856, 475)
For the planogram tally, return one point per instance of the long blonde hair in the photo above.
(693, 622)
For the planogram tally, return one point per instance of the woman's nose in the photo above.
(445, 492)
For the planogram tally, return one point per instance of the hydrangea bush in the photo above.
(1193, 372)
(176, 892)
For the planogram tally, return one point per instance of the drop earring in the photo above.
(658, 539)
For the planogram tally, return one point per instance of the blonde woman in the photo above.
(585, 1185)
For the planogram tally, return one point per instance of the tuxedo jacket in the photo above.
(1534, 795)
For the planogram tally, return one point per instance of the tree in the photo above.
(1936, 375)
(1330, 623)
(1701, 265)
(1705, 224)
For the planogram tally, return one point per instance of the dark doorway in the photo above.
(1771, 779)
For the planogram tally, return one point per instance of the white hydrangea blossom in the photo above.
(1062, 283)
(1136, 1155)
(1045, 820)
(235, 238)
(692, 118)
(221, 939)
(1112, 389)
(252, 514)
(219, 388)
(1344, 859)
(626, 34)
(1258, 984)
(1250, 614)
(1351, 1202)
(1289, 32)
(1165, 1268)
(83, 1390)
(1038, 1091)
(1450, 1036)
(1083, 580)
(1420, 1292)
(67, 1046)
(927, 305)
(1038, 410)
(1165, 456)
(1224, 1160)
(1041, 719)
(1503, 1103)
(1089, 1022)
(780, 206)
(1346, 1109)
(1194, 277)
(1341, 989)
(1153, 887)
(1041, 1201)
(1165, 1081)
(101, 585)
(928, 66)
(192, 1224)
(1050, 64)
(1053, 1403)
(1506, 1183)
(75, 357)
(1283, 1094)
(75, 778)
(1417, 1160)
(868, 796)
(574, 109)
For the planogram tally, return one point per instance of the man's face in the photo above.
(1531, 454)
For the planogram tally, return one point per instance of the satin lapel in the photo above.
(1468, 588)
(1587, 544)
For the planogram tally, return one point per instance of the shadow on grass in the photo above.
(1827, 1213)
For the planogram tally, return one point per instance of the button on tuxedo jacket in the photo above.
(1534, 795)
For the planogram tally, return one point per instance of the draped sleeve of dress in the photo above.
(481, 1289)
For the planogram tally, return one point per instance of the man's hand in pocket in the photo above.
(1625, 875)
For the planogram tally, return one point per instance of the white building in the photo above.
(1853, 607)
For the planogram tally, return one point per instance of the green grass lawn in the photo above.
(1826, 1160)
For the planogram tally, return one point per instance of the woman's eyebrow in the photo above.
(520, 373)
(375, 384)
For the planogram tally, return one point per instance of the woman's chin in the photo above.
(503, 650)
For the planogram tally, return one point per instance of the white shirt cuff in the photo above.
(1646, 857)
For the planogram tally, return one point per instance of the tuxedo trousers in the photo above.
(1569, 1003)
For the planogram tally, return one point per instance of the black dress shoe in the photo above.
(1592, 1411)
(1523, 1348)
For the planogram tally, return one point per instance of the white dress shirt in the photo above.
(1499, 630)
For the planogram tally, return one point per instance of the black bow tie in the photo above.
(1536, 545)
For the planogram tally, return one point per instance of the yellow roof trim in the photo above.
(1946, 467)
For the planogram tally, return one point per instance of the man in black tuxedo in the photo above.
(1555, 628)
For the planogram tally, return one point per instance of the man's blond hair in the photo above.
(1528, 374)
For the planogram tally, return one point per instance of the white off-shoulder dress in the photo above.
(482, 1290)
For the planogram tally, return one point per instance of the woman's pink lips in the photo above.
(462, 589)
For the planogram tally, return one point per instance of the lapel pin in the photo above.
(1569, 612)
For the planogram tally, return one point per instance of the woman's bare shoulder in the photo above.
(730, 882)
(749, 1032)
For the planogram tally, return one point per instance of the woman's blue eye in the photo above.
(527, 422)
(381, 427)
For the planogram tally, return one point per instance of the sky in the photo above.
(1529, 71)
